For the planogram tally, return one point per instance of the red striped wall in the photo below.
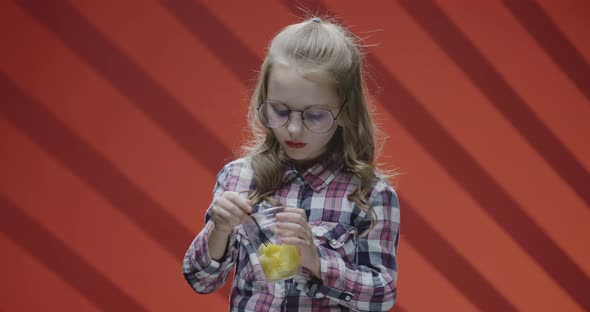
(115, 117)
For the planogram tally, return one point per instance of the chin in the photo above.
(295, 155)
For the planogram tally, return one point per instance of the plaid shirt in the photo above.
(358, 272)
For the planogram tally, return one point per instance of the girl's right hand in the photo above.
(230, 210)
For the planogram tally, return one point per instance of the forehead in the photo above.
(299, 89)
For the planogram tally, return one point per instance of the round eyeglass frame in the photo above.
(302, 118)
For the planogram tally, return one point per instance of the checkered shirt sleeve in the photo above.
(203, 273)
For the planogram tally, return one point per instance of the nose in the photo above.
(295, 123)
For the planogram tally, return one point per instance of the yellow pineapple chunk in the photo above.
(278, 261)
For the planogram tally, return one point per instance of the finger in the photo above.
(220, 213)
(225, 203)
(290, 227)
(275, 229)
(239, 201)
(293, 230)
(290, 240)
(293, 217)
(224, 221)
(227, 215)
(296, 210)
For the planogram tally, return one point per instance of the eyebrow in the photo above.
(304, 108)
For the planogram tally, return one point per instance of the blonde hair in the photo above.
(321, 46)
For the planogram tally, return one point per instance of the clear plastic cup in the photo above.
(278, 261)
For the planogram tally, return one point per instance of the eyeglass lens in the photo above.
(276, 115)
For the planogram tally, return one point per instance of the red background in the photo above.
(115, 117)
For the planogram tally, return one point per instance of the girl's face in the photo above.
(297, 93)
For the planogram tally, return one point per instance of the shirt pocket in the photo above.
(248, 273)
(341, 238)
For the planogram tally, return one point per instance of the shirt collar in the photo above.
(317, 176)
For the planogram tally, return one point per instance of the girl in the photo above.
(313, 152)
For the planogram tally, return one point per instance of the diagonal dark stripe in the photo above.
(63, 261)
(478, 183)
(129, 79)
(466, 56)
(462, 167)
(507, 213)
(224, 44)
(466, 277)
(43, 128)
(85, 40)
(534, 19)
(241, 71)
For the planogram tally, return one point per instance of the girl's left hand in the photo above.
(293, 229)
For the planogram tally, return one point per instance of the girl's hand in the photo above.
(294, 229)
(230, 210)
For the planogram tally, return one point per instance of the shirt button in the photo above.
(347, 298)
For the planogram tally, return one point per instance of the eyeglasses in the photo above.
(315, 119)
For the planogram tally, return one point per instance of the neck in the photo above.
(303, 165)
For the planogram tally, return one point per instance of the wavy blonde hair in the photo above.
(317, 46)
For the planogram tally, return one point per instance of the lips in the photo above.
(293, 144)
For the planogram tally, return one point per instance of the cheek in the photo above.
(276, 132)
(325, 139)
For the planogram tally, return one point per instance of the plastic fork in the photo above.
(263, 238)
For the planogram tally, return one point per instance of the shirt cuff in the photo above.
(201, 258)
(330, 284)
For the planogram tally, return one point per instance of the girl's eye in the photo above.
(283, 112)
(315, 115)
(280, 109)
